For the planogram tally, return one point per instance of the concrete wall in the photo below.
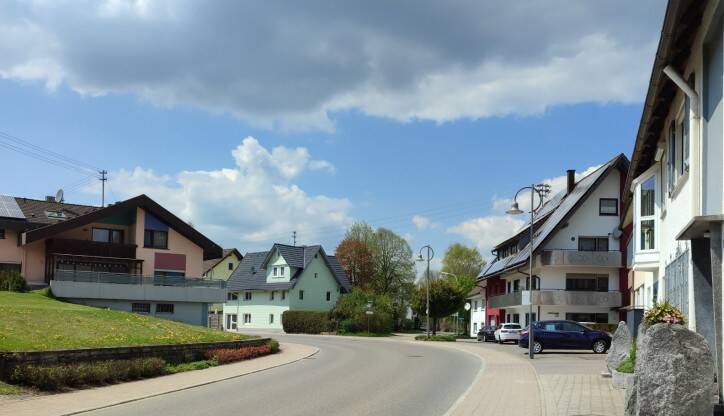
(193, 313)
(259, 307)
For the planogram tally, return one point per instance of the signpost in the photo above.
(368, 312)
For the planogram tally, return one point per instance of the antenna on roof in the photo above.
(59, 196)
(294, 238)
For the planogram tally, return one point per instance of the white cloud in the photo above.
(423, 223)
(249, 205)
(292, 65)
(488, 231)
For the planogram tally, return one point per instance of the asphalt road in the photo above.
(349, 376)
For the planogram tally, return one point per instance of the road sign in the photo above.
(369, 312)
(467, 306)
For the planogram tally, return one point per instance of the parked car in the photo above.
(486, 333)
(565, 335)
(507, 332)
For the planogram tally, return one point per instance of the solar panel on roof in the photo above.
(9, 208)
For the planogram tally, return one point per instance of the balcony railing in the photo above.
(133, 279)
(557, 297)
(90, 248)
(561, 257)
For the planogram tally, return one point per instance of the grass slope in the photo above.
(32, 321)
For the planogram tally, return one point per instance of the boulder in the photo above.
(674, 373)
(620, 347)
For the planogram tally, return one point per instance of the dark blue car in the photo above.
(565, 335)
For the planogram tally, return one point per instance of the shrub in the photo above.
(407, 324)
(350, 313)
(57, 377)
(230, 355)
(12, 282)
(664, 312)
(628, 365)
(194, 365)
(274, 346)
(610, 328)
(306, 322)
(443, 338)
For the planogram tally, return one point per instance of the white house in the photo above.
(476, 299)
(576, 256)
(265, 284)
(676, 180)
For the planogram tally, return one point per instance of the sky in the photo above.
(252, 120)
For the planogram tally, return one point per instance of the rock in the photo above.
(674, 373)
(620, 347)
(621, 380)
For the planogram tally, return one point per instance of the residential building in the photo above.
(284, 278)
(476, 299)
(676, 181)
(220, 269)
(133, 255)
(577, 257)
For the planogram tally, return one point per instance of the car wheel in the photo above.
(537, 347)
(599, 347)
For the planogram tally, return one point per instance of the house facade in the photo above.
(675, 185)
(577, 256)
(222, 267)
(133, 255)
(284, 278)
(476, 299)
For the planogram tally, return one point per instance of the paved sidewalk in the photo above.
(85, 400)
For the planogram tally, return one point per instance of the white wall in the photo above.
(477, 314)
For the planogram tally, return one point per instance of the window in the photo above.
(301, 295)
(106, 235)
(527, 315)
(141, 307)
(570, 327)
(475, 305)
(329, 296)
(271, 318)
(685, 130)
(247, 318)
(231, 266)
(155, 239)
(275, 271)
(646, 214)
(509, 287)
(2, 233)
(475, 327)
(247, 295)
(599, 318)
(516, 318)
(592, 243)
(271, 295)
(232, 296)
(282, 271)
(516, 285)
(586, 282)
(284, 294)
(315, 275)
(608, 206)
(164, 308)
(55, 214)
(231, 321)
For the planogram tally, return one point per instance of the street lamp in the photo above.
(430, 255)
(541, 190)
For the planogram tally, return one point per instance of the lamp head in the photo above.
(514, 210)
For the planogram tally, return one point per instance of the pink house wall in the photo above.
(10, 252)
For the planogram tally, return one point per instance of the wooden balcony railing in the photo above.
(90, 248)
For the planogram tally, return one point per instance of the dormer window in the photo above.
(282, 271)
(275, 271)
(55, 214)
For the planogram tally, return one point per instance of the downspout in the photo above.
(685, 87)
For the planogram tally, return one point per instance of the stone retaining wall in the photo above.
(173, 353)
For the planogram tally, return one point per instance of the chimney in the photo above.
(571, 174)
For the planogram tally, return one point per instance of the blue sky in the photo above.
(376, 146)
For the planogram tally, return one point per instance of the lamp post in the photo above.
(430, 255)
(541, 190)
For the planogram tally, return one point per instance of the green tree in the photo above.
(463, 264)
(445, 299)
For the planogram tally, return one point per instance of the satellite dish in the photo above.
(59, 196)
(467, 306)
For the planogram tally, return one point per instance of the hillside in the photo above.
(33, 321)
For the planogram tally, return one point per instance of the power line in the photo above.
(48, 152)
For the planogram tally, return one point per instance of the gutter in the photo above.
(674, 75)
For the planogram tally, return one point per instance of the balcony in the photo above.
(124, 286)
(580, 258)
(90, 248)
(612, 299)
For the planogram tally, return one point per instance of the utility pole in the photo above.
(294, 238)
(103, 180)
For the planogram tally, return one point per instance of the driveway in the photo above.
(349, 376)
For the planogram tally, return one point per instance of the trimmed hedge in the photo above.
(443, 338)
(58, 377)
(306, 322)
(231, 355)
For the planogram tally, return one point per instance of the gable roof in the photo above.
(35, 211)
(681, 23)
(210, 264)
(566, 206)
(251, 272)
(211, 249)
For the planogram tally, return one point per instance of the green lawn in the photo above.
(9, 389)
(32, 321)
